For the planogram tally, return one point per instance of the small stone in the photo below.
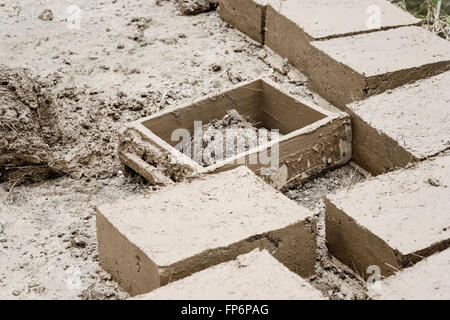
(434, 182)
(76, 175)
(339, 296)
(350, 296)
(16, 293)
(121, 94)
(46, 15)
(360, 296)
(234, 77)
(262, 54)
(216, 67)
(79, 243)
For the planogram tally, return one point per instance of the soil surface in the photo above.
(108, 63)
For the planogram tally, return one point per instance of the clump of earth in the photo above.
(193, 7)
(28, 131)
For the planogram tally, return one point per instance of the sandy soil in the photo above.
(110, 62)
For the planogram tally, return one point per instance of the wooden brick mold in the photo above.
(392, 221)
(408, 124)
(352, 68)
(312, 139)
(146, 242)
(292, 25)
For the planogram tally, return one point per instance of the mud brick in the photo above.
(148, 241)
(408, 124)
(291, 26)
(427, 280)
(253, 276)
(391, 221)
(352, 68)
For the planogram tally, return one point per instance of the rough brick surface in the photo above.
(393, 220)
(147, 242)
(427, 280)
(351, 68)
(254, 276)
(410, 123)
(293, 24)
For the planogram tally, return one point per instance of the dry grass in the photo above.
(435, 13)
(437, 21)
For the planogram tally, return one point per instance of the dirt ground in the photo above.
(111, 62)
(334, 279)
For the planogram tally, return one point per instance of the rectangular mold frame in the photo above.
(314, 139)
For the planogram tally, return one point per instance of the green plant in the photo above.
(435, 13)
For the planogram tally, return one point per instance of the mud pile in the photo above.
(28, 130)
(193, 7)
